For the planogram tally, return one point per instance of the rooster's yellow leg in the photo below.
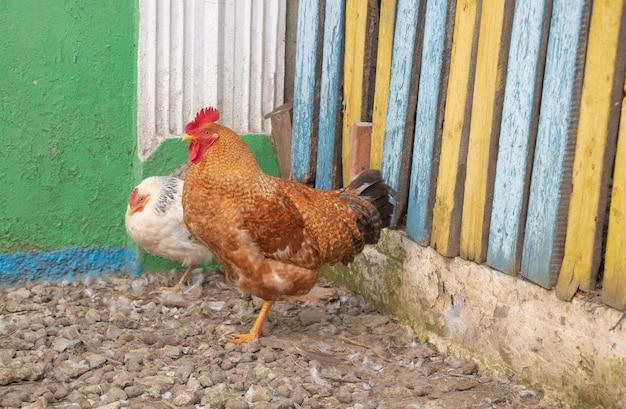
(176, 288)
(255, 331)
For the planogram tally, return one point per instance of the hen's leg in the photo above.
(176, 288)
(255, 331)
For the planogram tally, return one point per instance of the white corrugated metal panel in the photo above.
(196, 53)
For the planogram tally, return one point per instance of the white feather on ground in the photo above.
(154, 220)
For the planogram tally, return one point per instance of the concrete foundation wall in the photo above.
(507, 324)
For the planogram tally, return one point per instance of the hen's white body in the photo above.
(159, 227)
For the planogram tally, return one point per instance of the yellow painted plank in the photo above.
(614, 283)
(448, 198)
(383, 76)
(597, 118)
(356, 25)
(484, 128)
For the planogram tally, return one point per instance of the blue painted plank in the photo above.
(543, 249)
(518, 113)
(304, 87)
(399, 84)
(421, 189)
(66, 264)
(329, 93)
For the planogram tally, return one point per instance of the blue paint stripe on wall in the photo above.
(553, 140)
(304, 87)
(329, 93)
(399, 85)
(506, 227)
(66, 264)
(420, 189)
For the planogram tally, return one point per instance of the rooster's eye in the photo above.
(207, 132)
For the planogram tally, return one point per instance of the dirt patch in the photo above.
(106, 342)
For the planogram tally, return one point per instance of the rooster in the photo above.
(154, 220)
(271, 235)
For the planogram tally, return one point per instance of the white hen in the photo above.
(154, 220)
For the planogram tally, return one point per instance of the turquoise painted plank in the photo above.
(304, 87)
(545, 222)
(401, 64)
(519, 112)
(421, 188)
(329, 92)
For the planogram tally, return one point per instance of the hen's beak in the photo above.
(132, 210)
(187, 137)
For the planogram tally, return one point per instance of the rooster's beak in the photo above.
(187, 137)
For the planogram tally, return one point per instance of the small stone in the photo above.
(316, 389)
(258, 393)
(465, 385)
(183, 397)
(74, 369)
(95, 360)
(60, 344)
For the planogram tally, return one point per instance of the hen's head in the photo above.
(202, 133)
(137, 201)
(153, 193)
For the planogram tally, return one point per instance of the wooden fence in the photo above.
(496, 121)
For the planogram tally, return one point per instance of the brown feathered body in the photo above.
(272, 235)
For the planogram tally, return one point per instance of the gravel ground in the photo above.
(107, 342)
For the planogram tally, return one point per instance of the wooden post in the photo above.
(520, 113)
(360, 142)
(449, 195)
(544, 236)
(595, 147)
(491, 61)
(281, 135)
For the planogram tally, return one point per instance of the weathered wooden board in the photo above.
(360, 140)
(383, 77)
(449, 193)
(281, 136)
(330, 103)
(403, 46)
(427, 123)
(491, 60)
(304, 88)
(614, 283)
(519, 121)
(595, 147)
(547, 203)
(356, 24)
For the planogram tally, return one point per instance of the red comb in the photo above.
(204, 116)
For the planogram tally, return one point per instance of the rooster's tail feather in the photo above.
(369, 195)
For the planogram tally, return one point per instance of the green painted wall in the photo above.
(67, 120)
(68, 156)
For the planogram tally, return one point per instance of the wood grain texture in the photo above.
(546, 218)
(491, 60)
(518, 127)
(595, 148)
(356, 24)
(403, 46)
(449, 193)
(330, 103)
(427, 122)
(360, 140)
(304, 88)
(383, 78)
(614, 283)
